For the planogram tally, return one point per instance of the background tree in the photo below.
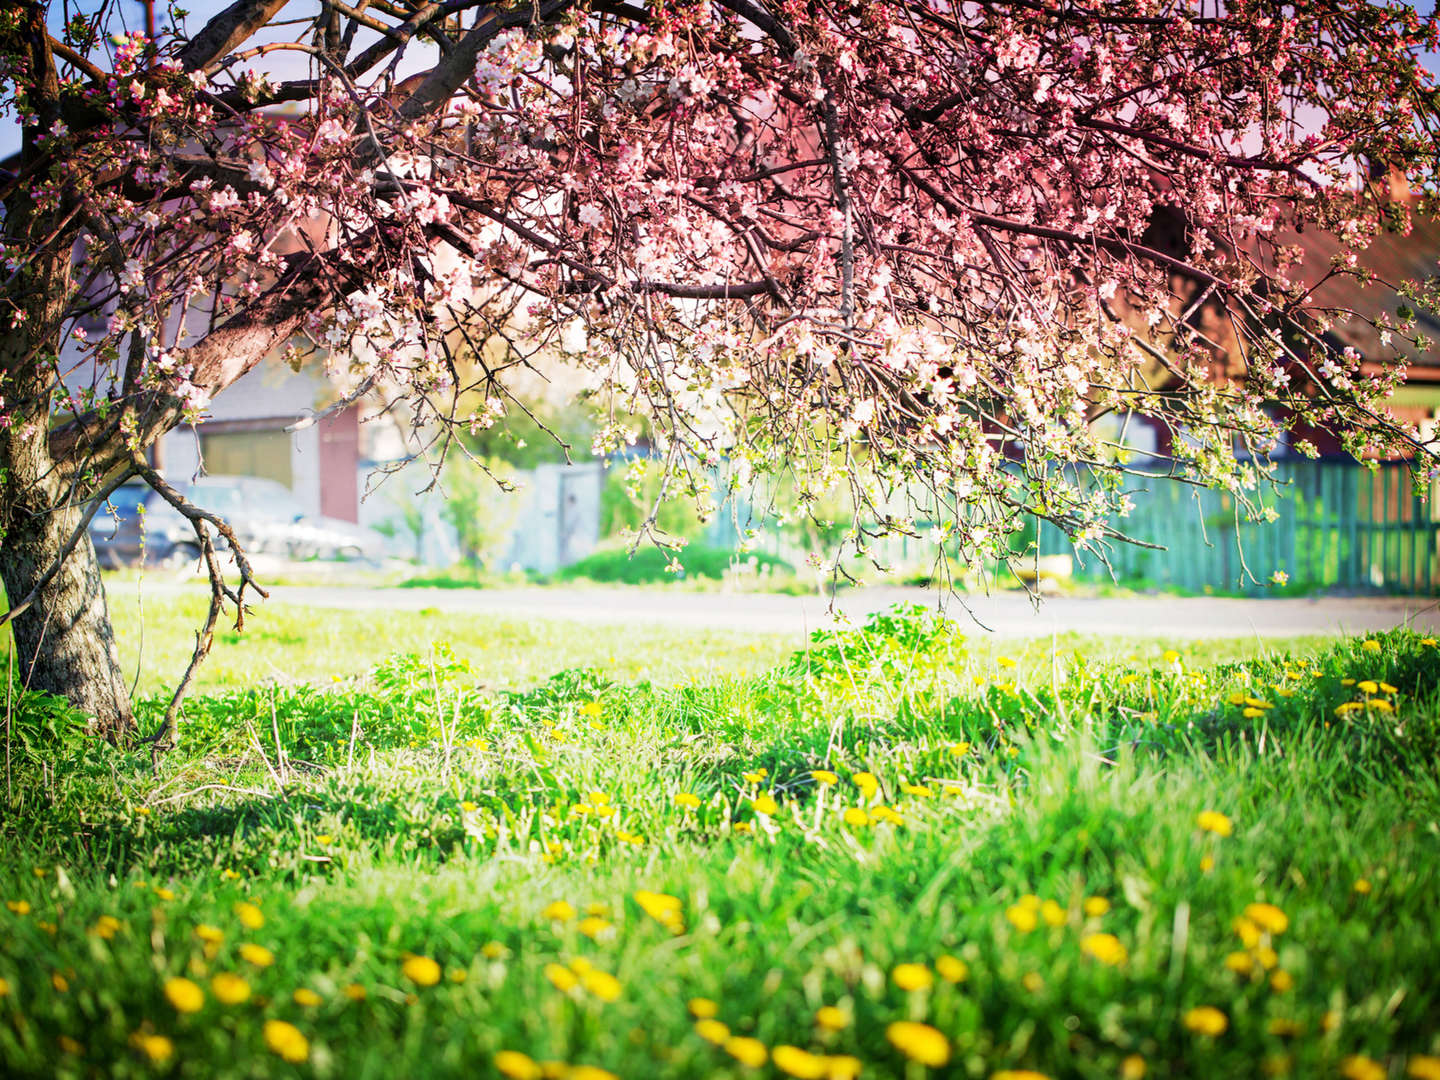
(890, 245)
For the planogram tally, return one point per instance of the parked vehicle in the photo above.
(137, 523)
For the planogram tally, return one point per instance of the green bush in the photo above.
(649, 565)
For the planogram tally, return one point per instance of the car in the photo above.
(136, 524)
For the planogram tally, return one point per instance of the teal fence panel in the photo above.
(1340, 524)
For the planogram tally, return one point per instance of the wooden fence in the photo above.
(1340, 524)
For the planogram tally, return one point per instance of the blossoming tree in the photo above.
(903, 248)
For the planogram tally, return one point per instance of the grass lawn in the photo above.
(551, 850)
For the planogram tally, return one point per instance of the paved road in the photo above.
(1008, 615)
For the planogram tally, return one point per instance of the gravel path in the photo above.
(1008, 615)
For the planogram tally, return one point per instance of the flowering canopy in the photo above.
(914, 249)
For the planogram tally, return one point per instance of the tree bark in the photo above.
(64, 642)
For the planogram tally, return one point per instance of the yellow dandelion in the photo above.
(952, 969)
(688, 800)
(602, 984)
(1207, 1020)
(793, 1061)
(1105, 948)
(824, 776)
(421, 970)
(1207, 863)
(157, 1048)
(1241, 963)
(250, 916)
(842, 1067)
(1018, 1074)
(866, 782)
(959, 749)
(1281, 981)
(1370, 645)
(832, 1018)
(1032, 982)
(1285, 1028)
(1381, 705)
(19, 907)
(756, 776)
(70, 1046)
(712, 1031)
(1386, 688)
(1247, 931)
(230, 989)
(355, 992)
(919, 1042)
(165, 894)
(764, 804)
(1268, 917)
(559, 911)
(1052, 913)
(588, 1072)
(211, 935)
(919, 791)
(4, 988)
(307, 998)
(1360, 1067)
(1215, 822)
(258, 955)
(516, 1066)
(563, 978)
(184, 995)
(1423, 1067)
(1133, 1068)
(855, 817)
(1368, 686)
(1095, 906)
(594, 927)
(285, 1039)
(747, 1051)
(1021, 917)
(702, 1008)
(912, 977)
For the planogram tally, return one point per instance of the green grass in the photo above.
(416, 811)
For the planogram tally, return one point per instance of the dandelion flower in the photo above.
(184, 995)
(1360, 1067)
(755, 777)
(516, 1066)
(1363, 886)
(919, 1042)
(1267, 917)
(855, 817)
(765, 804)
(1022, 918)
(712, 1031)
(602, 984)
(285, 1039)
(307, 998)
(912, 977)
(559, 911)
(230, 989)
(157, 1048)
(1241, 963)
(866, 782)
(250, 916)
(4, 988)
(1018, 1074)
(952, 969)
(421, 970)
(209, 934)
(258, 955)
(1133, 1068)
(1215, 822)
(959, 749)
(1052, 913)
(747, 1051)
(832, 1018)
(1207, 1020)
(1370, 645)
(793, 1061)
(843, 1067)
(355, 992)
(1367, 686)
(1423, 1067)
(687, 800)
(702, 1008)
(563, 978)
(594, 927)
(1281, 981)
(824, 776)
(1106, 948)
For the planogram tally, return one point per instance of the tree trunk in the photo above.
(64, 642)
